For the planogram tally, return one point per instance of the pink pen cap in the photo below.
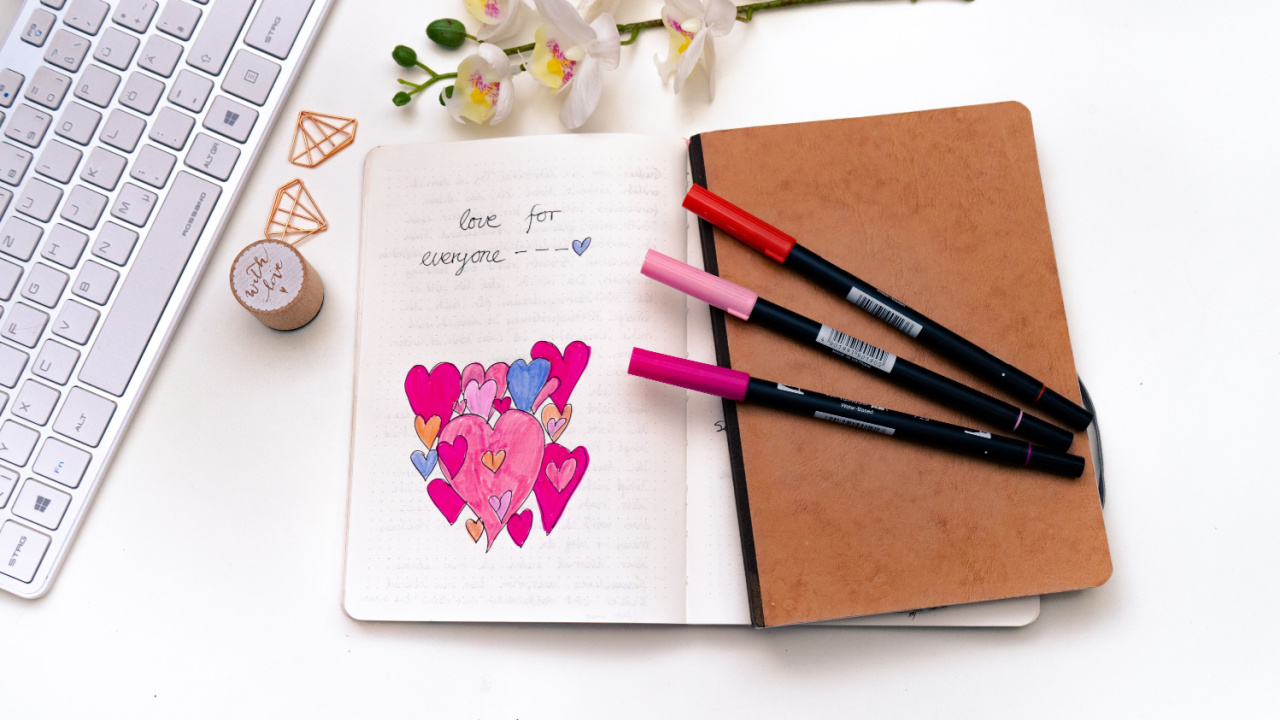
(689, 374)
(711, 289)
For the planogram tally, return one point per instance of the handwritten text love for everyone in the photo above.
(471, 220)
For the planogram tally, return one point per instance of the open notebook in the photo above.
(504, 465)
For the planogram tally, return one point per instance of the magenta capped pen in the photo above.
(741, 387)
(746, 305)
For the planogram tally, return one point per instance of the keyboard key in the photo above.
(39, 199)
(135, 14)
(10, 274)
(61, 462)
(97, 85)
(218, 34)
(24, 549)
(86, 15)
(67, 50)
(23, 324)
(35, 402)
(214, 158)
(146, 290)
(116, 49)
(41, 504)
(58, 161)
(5, 197)
(28, 125)
(178, 19)
(8, 481)
(36, 31)
(47, 88)
(44, 285)
(134, 205)
(172, 128)
(190, 91)
(55, 363)
(19, 238)
(251, 77)
(13, 164)
(84, 416)
(55, 4)
(103, 168)
(153, 166)
(75, 322)
(275, 28)
(10, 84)
(122, 130)
(12, 362)
(115, 243)
(78, 123)
(16, 442)
(64, 246)
(230, 119)
(84, 207)
(95, 283)
(141, 93)
(160, 56)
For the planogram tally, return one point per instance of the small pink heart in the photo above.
(452, 454)
(545, 392)
(502, 405)
(460, 406)
(519, 526)
(480, 397)
(446, 499)
(561, 474)
(496, 372)
(501, 505)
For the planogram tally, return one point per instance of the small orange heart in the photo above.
(428, 430)
(555, 421)
(493, 461)
(475, 529)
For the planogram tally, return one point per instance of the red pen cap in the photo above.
(711, 289)
(751, 230)
(689, 374)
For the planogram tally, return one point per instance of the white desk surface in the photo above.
(206, 580)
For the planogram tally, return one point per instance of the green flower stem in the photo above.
(435, 78)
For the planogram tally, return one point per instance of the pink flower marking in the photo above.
(490, 89)
(676, 26)
(566, 65)
(491, 9)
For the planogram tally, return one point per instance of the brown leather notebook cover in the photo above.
(943, 209)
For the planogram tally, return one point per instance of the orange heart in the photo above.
(475, 529)
(555, 421)
(427, 429)
(493, 461)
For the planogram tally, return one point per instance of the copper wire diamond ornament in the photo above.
(294, 215)
(319, 137)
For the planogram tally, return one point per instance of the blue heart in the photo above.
(580, 246)
(424, 463)
(524, 380)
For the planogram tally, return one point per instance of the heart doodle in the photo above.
(556, 421)
(501, 505)
(545, 392)
(433, 393)
(452, 455)
(475, 529)
(524, 380)
(553, 489)
(497, 372)
(424, 463)
(447, 501)
(518, 527)
(580, 246)
(517, 434)
(568, 368)
(493, 461)
(480, 397)
(502, 405)
(428, 430)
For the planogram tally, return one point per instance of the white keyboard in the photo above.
(126, 130)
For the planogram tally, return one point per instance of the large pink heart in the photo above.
(497, 372)
(566, 368)
(433, 393)
(560, 474)
(517, 433)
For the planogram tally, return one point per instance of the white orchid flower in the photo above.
(483, 92)
(499, 18)
(592, 9)
(691, 25)
(571, 55)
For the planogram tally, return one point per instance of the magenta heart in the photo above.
(480, 397)
(517, 433)
(553, 489)
(433, 393)
(497, 372)
(451, 454)
(518, 527)
(545, 392)
(502, 405)
(567, 368)
(447, 501)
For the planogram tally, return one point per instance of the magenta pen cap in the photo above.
(689, 374)
(733, 299)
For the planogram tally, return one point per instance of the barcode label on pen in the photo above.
(884, 312)
(853, 423)
(856, 350)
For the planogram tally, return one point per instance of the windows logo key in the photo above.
(42, 503)
(230, 118)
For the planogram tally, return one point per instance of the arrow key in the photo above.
(74, 323)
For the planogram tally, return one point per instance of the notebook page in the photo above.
(517, 254)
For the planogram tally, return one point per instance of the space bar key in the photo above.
(145, 293)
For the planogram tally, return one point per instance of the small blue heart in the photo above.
(525, 380)
(580, 246)
(424, 463)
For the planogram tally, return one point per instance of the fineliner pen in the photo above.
(746, 305)
(741, 387)
(782, 248)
